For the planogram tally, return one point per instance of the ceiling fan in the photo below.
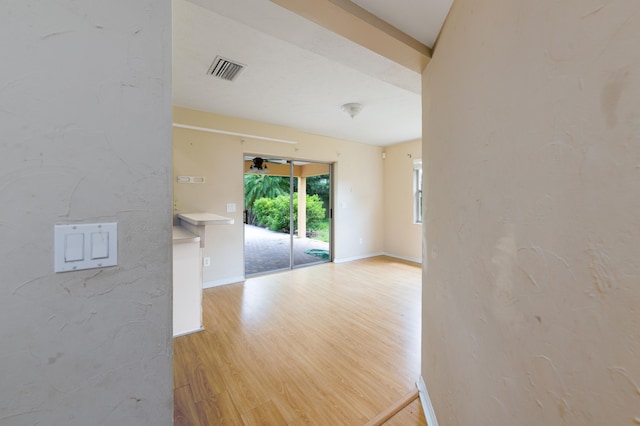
(258, 165)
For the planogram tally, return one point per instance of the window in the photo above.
(417, 191)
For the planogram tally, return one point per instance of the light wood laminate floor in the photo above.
(333, 344)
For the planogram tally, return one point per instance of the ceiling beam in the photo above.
(349, 20)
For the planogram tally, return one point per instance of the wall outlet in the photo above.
(206, 261)
(360, 240)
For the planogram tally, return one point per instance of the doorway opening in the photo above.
(287, 215)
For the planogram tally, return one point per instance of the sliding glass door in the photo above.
(312, 213)
(287, 214)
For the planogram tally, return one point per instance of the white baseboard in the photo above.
(429, 413)
(225, 281)
(184, 333)
(408, 259)
(351, 259)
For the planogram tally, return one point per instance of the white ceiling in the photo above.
(298, 74)
(421, 19)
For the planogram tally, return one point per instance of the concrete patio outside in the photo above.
(266, 251)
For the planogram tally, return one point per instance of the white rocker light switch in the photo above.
(85, 246)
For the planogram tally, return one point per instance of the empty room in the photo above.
(445, 196)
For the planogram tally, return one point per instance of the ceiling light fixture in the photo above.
(258, 165)
(352, 108)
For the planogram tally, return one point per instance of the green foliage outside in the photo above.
(320, 185)
(262, 186)
(267, 203)
(274, 213)
(322, 232)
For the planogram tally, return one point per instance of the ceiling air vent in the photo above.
(225, 69)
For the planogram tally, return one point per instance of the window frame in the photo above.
(418, 214)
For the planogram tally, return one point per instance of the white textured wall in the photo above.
(85, 114)
(531, 293)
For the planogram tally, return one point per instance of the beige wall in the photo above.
(531, 290)
(402, 237)
(85, 110)
(219, 157)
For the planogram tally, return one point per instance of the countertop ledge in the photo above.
(181, 236)
(199, 219)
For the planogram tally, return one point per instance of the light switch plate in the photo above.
(85, 246)
(231, 207)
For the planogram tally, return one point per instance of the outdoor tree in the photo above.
(320, 185)
(258, 186)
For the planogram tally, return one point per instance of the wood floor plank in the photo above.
(219, 410)
(411, 415)
(264, 414)
(394, 409)
(328, 344)
(196, 357)
(184, 408)
(180, 363)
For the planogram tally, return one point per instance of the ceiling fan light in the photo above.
(258, 165)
